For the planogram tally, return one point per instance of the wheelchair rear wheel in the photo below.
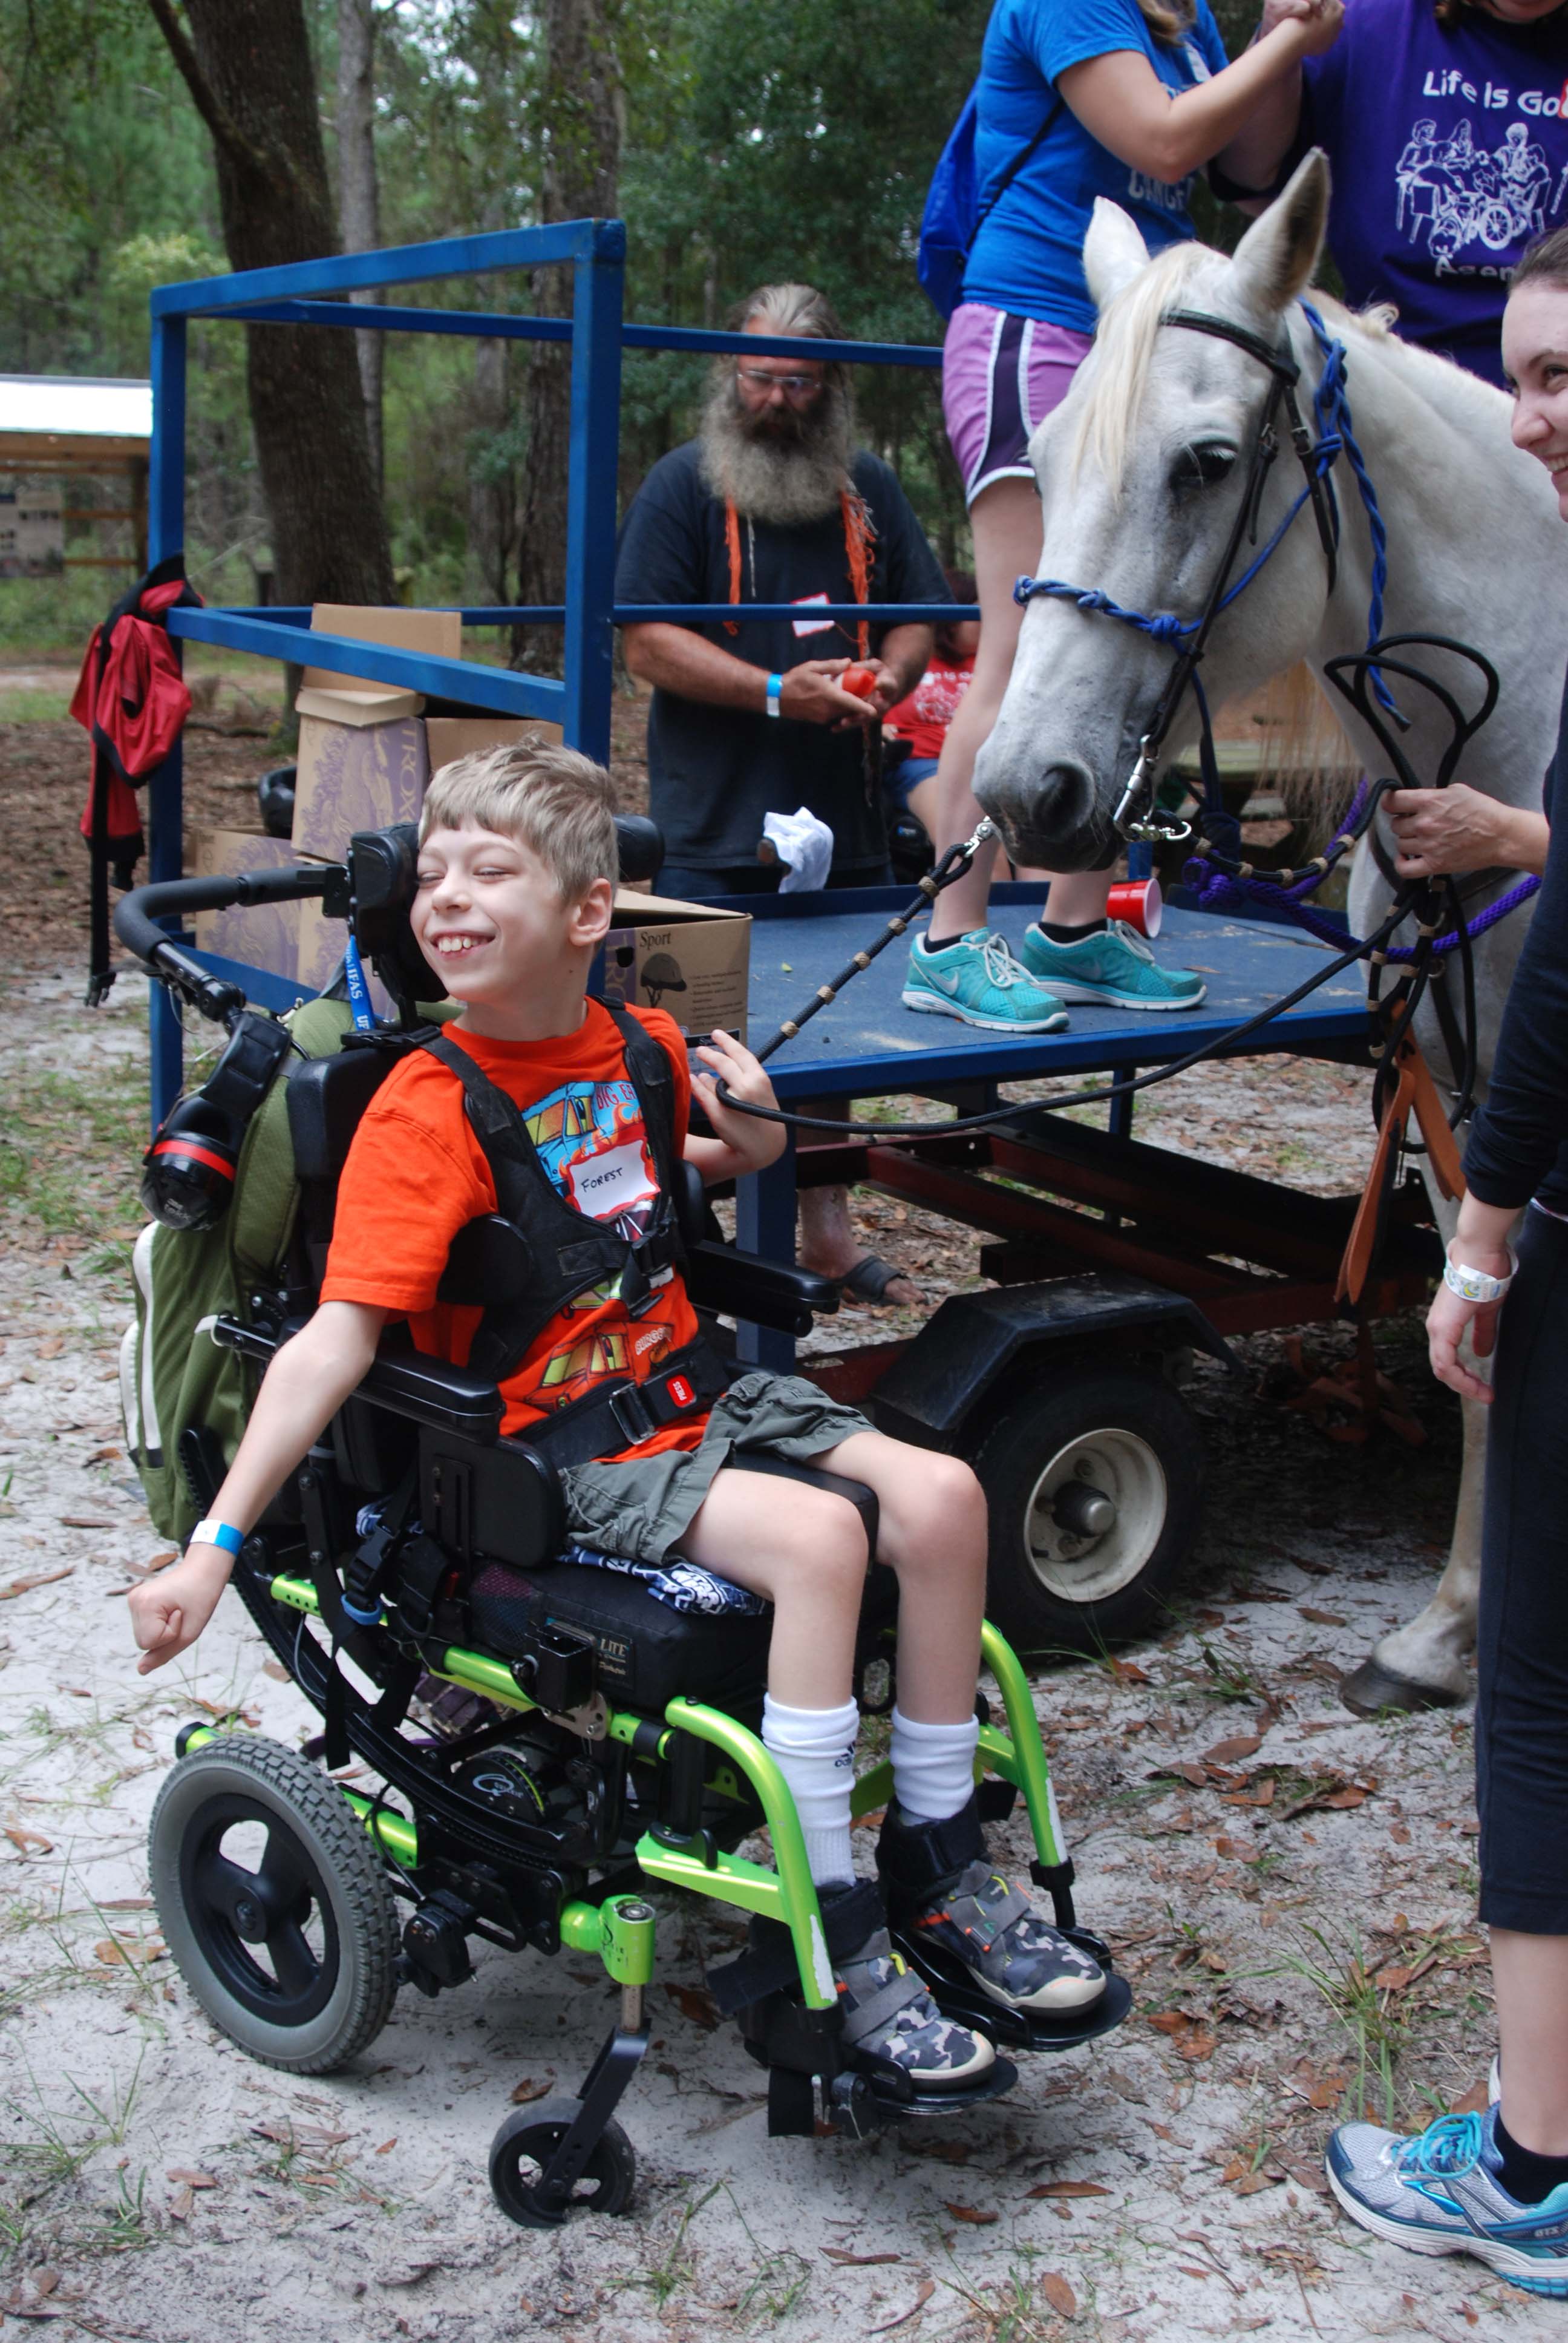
(274, 1903)
(521, 2151)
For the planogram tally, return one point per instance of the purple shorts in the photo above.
(1002, 375)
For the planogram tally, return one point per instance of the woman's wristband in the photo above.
(1475, 1284)
(218, 1533)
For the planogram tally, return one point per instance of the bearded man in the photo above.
(772, 502)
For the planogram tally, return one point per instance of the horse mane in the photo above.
(1124, 344)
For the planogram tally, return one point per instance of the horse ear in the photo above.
(1113, 252)
(1275, 259)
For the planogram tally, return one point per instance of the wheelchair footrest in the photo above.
(803, 2053)
(958, 1996)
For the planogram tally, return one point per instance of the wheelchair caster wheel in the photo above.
(520, 2157)
(274, 1903)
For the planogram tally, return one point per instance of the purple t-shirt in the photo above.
(1450, 151)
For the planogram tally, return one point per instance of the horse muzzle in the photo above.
(1052, 818)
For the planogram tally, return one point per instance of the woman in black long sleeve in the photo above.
(1496, 2186)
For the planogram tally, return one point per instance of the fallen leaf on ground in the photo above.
(1229, 1752)
(276, 1670)
(50, 1347)
(974, 2213)
(180, 2205)
(45, 2281)
(1183, 1770)
(1321, 1618)
(1129, 1671)
(190, 2180)
(1059, 2294)
(1475, 2102)
(409, 2275)
(522, 2092)
(158, 1562)
(841, 2254)
(387, 2146)
(105, 1456)
(110, 1951)
(1069, 2189)
(695, 2002)
(85, 1522)
(39, 1578)
(21, 1839)
(928, 2287)
(1190, 2037)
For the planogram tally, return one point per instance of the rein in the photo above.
(1135, 816)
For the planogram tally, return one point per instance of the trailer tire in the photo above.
(1120, 1435)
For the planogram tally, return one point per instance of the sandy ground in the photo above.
(1290, 1891)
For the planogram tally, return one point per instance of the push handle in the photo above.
(137, 914)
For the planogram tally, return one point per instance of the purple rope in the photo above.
(1220, 892)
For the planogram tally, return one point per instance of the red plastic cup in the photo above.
(1140, 903)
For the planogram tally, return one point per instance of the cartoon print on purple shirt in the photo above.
(1467, 201)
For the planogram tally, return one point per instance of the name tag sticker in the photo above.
(811, 626)
(611, 1182)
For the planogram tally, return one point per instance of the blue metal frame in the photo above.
(596, 333)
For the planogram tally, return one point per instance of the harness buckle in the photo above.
(632, 1413)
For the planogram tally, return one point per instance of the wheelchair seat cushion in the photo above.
(649, 1652)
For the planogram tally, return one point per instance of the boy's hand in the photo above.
(169, 1612)
(756, 1144)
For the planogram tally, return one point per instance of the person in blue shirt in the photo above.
(1127, 99)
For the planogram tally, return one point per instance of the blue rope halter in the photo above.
(1334, 435)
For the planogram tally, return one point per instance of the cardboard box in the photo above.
(448, 738)
(355, 777)
(688, 959)
(438, 633)
(266, 934)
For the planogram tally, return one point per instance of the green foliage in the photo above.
(761, 143)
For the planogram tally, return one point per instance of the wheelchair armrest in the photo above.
(769, 1293)
(405, 1381)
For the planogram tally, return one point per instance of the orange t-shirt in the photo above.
(415, 1173)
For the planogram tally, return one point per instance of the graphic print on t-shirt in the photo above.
(1468, 203)
(591, 1141)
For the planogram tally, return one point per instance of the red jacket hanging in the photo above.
(132, 702)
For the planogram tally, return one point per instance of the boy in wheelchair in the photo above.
(569, 1121)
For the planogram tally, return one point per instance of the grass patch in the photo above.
(32, 704)
(69, 1152)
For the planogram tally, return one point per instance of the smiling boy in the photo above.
(514, 897)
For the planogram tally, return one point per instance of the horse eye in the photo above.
(1203, 466)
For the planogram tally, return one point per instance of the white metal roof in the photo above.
(73, 405)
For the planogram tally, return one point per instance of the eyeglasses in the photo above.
(793, 386)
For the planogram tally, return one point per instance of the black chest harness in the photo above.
(564, 1254)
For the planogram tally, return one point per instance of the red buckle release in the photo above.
(682, 1391)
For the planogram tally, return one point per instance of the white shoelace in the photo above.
(1003, 970)
(1135, 943)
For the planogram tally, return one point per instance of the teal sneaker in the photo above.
(1439, 2193)
(977, 980)
(1113, 967)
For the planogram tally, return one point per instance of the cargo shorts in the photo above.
(642, 1506)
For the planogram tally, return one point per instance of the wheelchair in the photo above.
(595, 1750)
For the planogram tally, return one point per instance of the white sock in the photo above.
(814, 1749)
(933, 1766)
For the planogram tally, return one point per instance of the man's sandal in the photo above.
(869, 1281)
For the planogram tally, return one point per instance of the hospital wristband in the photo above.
(1473, 1284)
(775, 688)
(218, 1533)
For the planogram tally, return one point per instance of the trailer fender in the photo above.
(972, 1341)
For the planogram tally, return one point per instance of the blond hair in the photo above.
(555, 802)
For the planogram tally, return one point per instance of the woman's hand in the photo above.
(1441, 832)
(1480, 1241)
(749, 1145)
(169, 1612)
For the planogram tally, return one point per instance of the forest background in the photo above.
(740, 140)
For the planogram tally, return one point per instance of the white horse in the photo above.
(1140, 469)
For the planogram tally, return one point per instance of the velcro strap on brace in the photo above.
(870, 2016)
(768, 1964)
(984, 1923)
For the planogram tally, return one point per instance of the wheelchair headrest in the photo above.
(382, 868)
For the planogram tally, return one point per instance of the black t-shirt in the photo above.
(1518, 1145)
(714, 773)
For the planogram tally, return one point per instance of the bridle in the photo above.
(1135, 816)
